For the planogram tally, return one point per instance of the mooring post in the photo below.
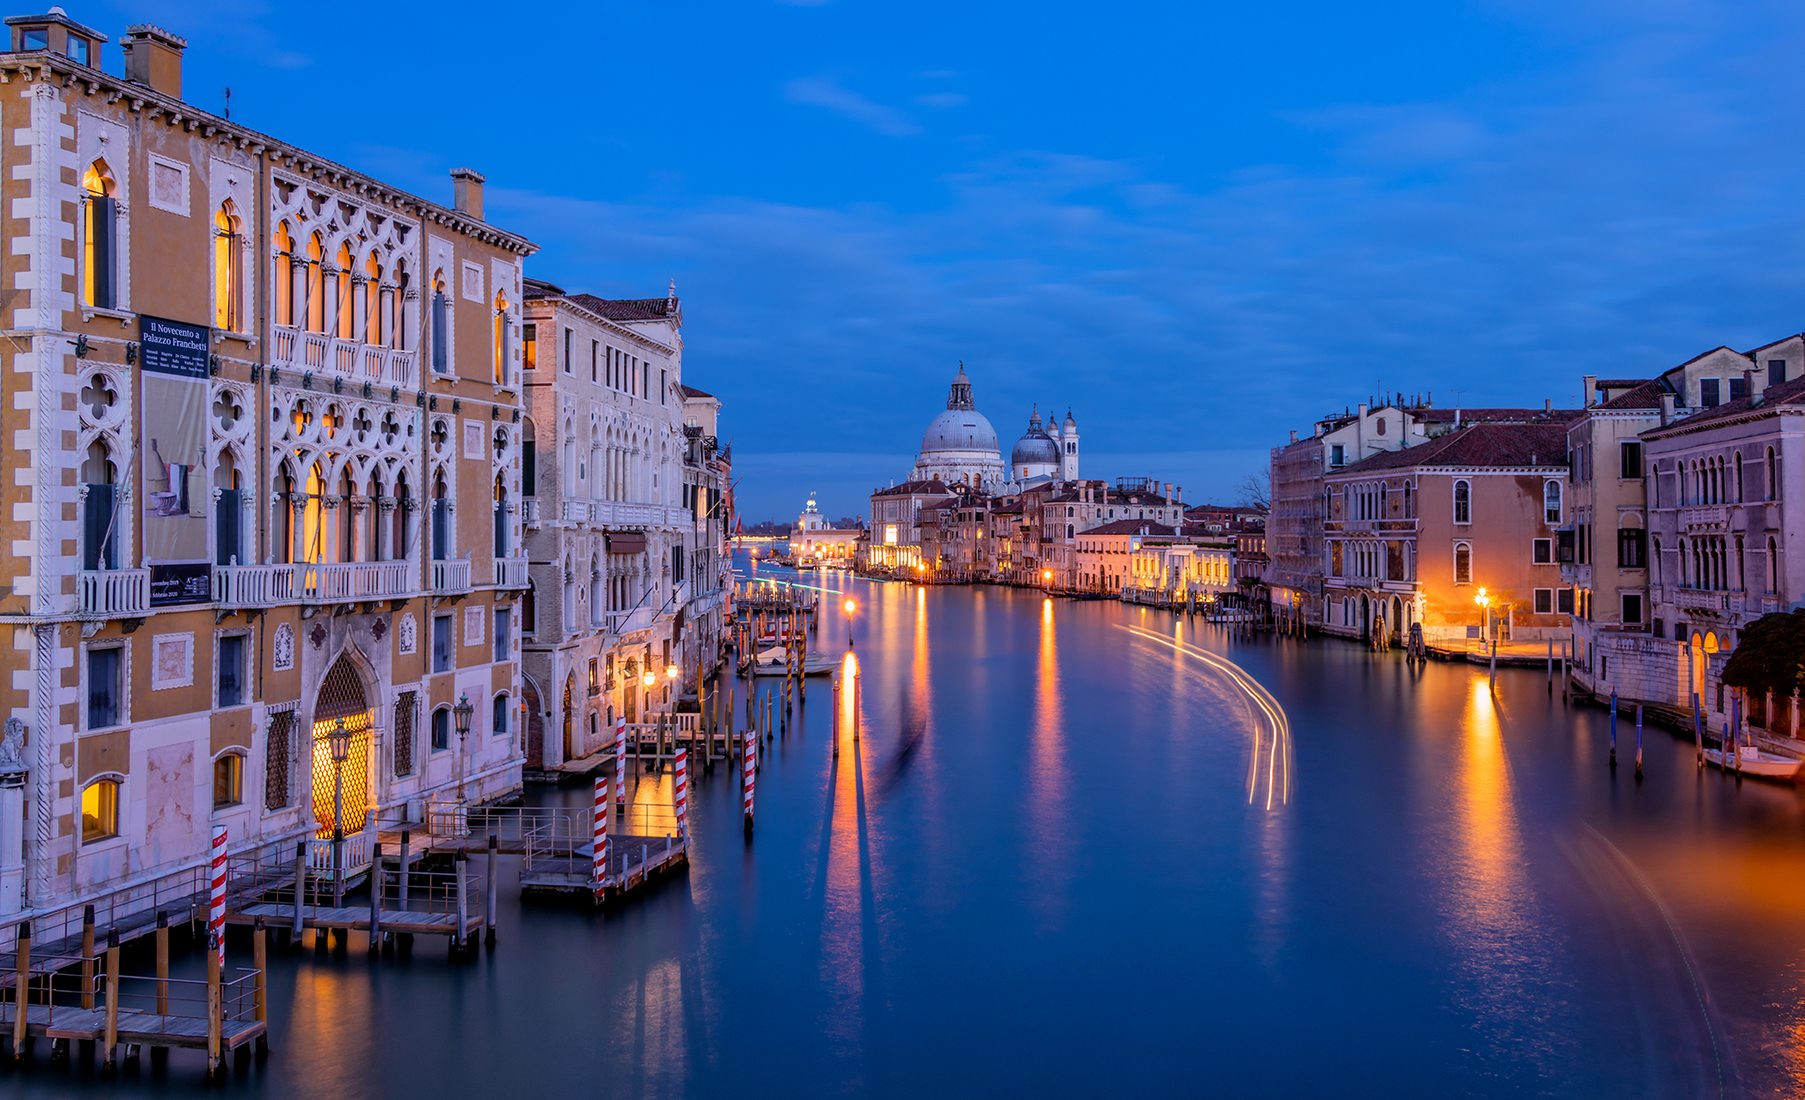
(463, 905)
(1613, 727)
(1493, 673)
(1551, 666)
(748, 775)
(87, 956)
(162, 940)
(401, 890)
(489, 891)
(376, 898)
(598, 826)
(300, 888)
(1698, 730)
(260, 984)
(110, 1041)
(21, 990)
(1638, 740)
(216, 1061)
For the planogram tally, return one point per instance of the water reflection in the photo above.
(1049, 807)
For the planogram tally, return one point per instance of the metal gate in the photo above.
(341, 698)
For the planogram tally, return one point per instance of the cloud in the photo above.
(829, 94)
(941, 101)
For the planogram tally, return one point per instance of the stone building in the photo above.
(264, 450)
(625, 517)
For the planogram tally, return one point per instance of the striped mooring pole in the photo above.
(681, 787)
(599, 832)
(620, 761)
(748, 773)
(216, 899)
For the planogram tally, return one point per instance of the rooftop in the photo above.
(1479, 446)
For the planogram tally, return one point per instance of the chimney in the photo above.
(1294, 435)
(1748, 382)
(1168, 492)
(1590, 382)
(1666, 409)
(1548, 404)
(153, 57)
(467, 192)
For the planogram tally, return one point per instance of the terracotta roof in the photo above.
(1646, 395)
(1495, 416)
(1131, 527)
(691, 391)
(1476, 445)
(913, 488)
(625, 309)
(1790, 394)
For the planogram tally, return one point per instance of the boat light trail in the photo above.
(1276, 749)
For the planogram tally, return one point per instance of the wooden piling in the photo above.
(87, 956)
(162, 949)
(376, 899)
(401, 886)
(1698, 730)
(110, 1041)
(1551, 666)
(216, 1057)
(1613, 728)
(260, 988)
(489, 892)
(21, 990)
(463, 904)
(300, 889)
(1638, 740)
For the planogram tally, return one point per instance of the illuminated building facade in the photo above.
(264, 449)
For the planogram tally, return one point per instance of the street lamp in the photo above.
(461, 715)
(1484, 600)
(339, 741)
(851, 607)
(1046, 577)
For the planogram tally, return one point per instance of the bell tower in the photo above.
(1068, 448)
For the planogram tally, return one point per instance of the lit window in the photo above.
(100, 810)
(228, 287)
(99, 265)
(228, 781)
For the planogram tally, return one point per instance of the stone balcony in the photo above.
(450, 576)
(1707, 517)
(630, 622)
(114, 593)
(510, 573)
(331, 357)
(326, 582)
(529, 511)
(574, 511)
(244, 586)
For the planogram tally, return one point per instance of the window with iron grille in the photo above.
(275, 765)
(404, 734)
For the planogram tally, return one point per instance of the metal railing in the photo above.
(423, 891)
(115, 591)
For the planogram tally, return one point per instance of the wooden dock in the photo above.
(633, 861)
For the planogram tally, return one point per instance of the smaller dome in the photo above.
(1035, 448)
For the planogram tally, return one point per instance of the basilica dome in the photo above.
(959, 430)
(1035, 447)
(960, 446)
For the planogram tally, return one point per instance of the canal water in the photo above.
(1085, 847)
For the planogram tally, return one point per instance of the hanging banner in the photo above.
(172, 359)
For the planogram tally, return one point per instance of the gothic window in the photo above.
(100, 260)
(342, 292)
(374, 312)
(1551, 501)
(441, 319)
(313, 286)
(502, 350)
(284, 281)
(100, 520)
(228, 276)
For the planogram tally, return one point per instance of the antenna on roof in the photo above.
(228, 111)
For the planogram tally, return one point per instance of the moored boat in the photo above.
(1751, 761)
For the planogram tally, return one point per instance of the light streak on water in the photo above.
(1276, 748)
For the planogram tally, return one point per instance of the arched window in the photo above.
(498, 720)
(313, 286)
(529, 609)
(397, 311)
(1551, 501)
(100, 810)
(313, 517)
(1654, 563)
(1773, 475)
(282, 527)
(441, 518)
(284, 282)
(99, 505)
(1736, 457)
(1773, 563)
(228, 780)
(441, 728)
(404, 518)
(503, 350)
(344, 318)
(100, 260)
(228, 548)
(441, 320)
(501, 518)
(228, 278)
(1463, 563)
(529, 459)
(374, 307)
(1463, 501)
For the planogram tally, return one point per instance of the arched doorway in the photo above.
(1366, 617)
(535, 722)
(341, 699)
(1397, 619)
(569, 719)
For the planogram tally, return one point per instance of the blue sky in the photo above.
(1199, 225)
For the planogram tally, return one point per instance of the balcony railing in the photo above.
(115, 592)
(253, 585)
(1698, 599)
(451, 576)
(352, 360)
(529, 511)
(1707, 517)
(628, 622)
(575, 511)
(510, 572)
(352, 580)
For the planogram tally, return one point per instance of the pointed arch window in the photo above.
(1463, 563)
(100, 261)
(373, 300)
(503, 348)
(441, 319)
(1551, 501)
(313, 284)
(284, 282)
(228, 275)
(99, 508)
(343, 319)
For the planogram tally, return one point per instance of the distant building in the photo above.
(816, 541)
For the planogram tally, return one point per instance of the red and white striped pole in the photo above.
(748, 772)
(681, 784)
(216, 899)
(599, 831)
(620, 761)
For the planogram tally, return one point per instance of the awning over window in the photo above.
(630, 543)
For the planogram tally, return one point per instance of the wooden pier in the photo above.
(633, 861)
